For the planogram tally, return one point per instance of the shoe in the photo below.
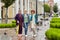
(34, 35)
(26, 35)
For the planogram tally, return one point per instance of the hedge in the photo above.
(10, 25)
(55, 15)
(55, 18)
(13, 21)
(53, 34)
(55, 23)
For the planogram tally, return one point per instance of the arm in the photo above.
(16, 20)
(23, 18)
(36, 19)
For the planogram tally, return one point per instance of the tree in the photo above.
(7, 3)
(55, 8)
(46, 8)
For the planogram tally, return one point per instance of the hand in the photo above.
(17, 21)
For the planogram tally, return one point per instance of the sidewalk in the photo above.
(40, 33)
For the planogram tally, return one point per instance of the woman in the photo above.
(19, 21)
(26, 22)
(33, 22)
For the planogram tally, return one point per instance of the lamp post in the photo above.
(44, 10)
(36, 10)
(36, 6)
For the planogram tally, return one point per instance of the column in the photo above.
(42, 9)
(21, 4)
(28, 7)
(16, 6)
(13, 11)
(26, 4)
(0, 9)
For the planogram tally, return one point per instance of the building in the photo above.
(51, 4)
(22, 4)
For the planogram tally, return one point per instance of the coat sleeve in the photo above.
(36, 18)
(28, 19)
(23, 18)
(16, 19)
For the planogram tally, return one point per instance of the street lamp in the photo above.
(44, 8)
(36, 10)
(36, 6)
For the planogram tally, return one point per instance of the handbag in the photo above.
(17, 29)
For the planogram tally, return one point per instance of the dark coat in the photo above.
(19, 17)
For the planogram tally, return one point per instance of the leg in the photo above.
(19, 36)
(20, 30)
(33, 31)
(26, 28)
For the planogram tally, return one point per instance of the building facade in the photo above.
(22, 5)
(51, 2)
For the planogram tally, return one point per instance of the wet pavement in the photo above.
(40, 33)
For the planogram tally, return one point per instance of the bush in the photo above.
(55, 18)
(46, 8)
(11, 25)
(53, 34)
(13, 21)
(55, 23)
(55, 15)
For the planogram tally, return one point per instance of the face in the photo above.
(19, 11)
(32, 12)
(25, 12)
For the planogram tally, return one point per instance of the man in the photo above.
(26, 21)
(19, 21)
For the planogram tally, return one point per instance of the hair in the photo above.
(32, 11)
(25, 10)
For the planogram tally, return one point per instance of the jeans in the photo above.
(26, 28)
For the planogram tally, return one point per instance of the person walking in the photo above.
(33, 22)
(26, 22)
(19, 21)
